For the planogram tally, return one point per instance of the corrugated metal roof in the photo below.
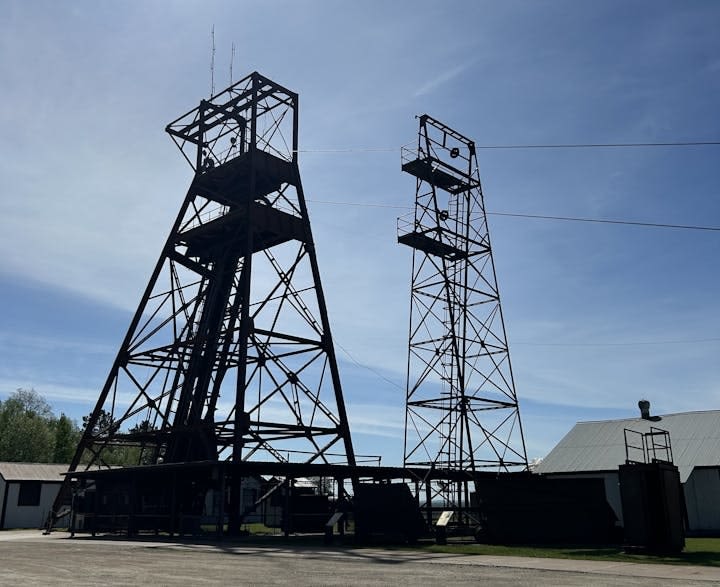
(600, 446)
(32, 472)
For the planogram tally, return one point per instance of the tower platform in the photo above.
(231, 183)
(269, 225)
(422, 242)
(439, 174)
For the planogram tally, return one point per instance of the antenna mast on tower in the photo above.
(212, 63)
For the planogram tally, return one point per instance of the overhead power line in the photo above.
(359, 204)
(350, 150)
(604, 145)
(538, 216)
(530, 146)
(606, 221)
(368, 367)
(619, 344)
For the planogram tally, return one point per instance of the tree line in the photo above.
(31, 433)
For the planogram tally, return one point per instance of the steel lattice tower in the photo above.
(462, 410)
(229, 355)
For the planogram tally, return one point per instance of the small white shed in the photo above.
(27, 492)
(596, 449)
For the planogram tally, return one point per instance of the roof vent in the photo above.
(644, 406)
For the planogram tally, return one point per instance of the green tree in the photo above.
(67, 436)
(26, 428)
(121, 448)
(104, 425)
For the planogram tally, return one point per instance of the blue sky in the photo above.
(597, 315)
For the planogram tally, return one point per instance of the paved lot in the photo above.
(28, 558)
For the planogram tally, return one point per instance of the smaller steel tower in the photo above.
(462, 410)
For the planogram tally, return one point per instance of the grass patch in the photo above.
(259, 529)
(698, 551)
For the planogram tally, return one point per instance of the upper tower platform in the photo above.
(254, 114)
(442, 158)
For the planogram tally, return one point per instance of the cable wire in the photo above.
(607, 221)
(540, 216)
(359, 204)
(529, 146)
(604, 145)
(621, 344)
(359, 364)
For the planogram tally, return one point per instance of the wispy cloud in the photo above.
(441, 79)
(53, 392)
(91, 185)
(28, 343)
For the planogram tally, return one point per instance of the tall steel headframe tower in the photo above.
(462, 410)
(229, 356)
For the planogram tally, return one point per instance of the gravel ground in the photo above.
(28, 558)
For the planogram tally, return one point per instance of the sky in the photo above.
(598, 315)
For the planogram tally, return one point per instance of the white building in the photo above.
(27, 492)
(596, 449)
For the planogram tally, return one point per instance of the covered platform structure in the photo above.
(194, 497)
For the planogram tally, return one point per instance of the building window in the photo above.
(29, 493)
